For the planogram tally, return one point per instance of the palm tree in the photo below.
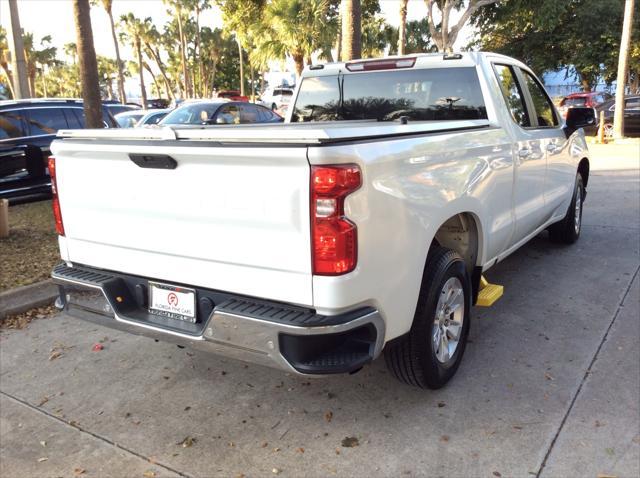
(5, 59)
(88, 64)
(134, 29)
(402, 30)
(177, 5)
(108, 7)
(351, 30)
(296, 28)
(151, 39)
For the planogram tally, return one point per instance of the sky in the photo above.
(55, 18)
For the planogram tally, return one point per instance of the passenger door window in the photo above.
(228, 115)
(544, 110)
(512, 94)
(45, 120)
(249, 114)
(12, 124)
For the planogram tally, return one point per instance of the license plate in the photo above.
(174, 302)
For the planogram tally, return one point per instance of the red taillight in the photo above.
(55, 203)
(334, 237)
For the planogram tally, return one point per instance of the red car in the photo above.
(233, 95)
(583, 100)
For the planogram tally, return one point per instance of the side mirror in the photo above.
(579, 118)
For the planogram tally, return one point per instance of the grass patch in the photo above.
(31, 250)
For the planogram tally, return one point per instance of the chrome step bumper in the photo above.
(291, 338)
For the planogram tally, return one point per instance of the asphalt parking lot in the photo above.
(549, 386)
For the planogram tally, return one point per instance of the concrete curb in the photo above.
(21, 299)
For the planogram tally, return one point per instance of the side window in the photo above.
(512, 94)
(228, 115)
(249, 114)
(45, 120)
(545, 112)
(72, 119)
(12, 124)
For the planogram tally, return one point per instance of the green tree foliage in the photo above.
(549, 35)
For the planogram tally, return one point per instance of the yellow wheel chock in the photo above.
(488, 293)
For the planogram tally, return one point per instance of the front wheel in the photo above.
(429, 355)
(568, 230)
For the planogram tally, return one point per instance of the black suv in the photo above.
(27, 128)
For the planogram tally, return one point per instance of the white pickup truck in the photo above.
(363, 223)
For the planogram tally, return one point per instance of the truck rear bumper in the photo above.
(279, 335)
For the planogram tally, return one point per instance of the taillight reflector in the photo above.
(390, 64)
(334, 237)
(55, 203)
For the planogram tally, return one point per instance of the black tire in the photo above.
(412, 358)
(568, 230)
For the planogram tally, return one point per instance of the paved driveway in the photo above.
(549, 386)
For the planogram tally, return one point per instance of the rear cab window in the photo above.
(421, 95)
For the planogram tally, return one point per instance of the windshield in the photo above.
(197, 113)
(425, 94)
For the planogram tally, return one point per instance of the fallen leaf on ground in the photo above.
(97, 347)
(55, 354)
(265, 444)
(43, 401)
(149, 474)
(350, 442)
(441, 404)
(444, 438)
(44, 458)
(610, 451)
(300, 450)
(328, 416)
(497, 473)
(187, 442)
(79, 471)
(548, 376)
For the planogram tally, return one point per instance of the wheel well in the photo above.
(460, 233)
(583, 169)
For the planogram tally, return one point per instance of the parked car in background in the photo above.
(157, 103)
(276, 98)
(582, 100)
(129, 119)
(210, 112)
(153, 117)
(27, 128)
(116, 108)
(232, 95)
(631, 116)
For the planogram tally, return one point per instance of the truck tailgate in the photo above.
(233, 218)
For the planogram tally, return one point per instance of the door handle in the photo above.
(524, 153)
(552, 147)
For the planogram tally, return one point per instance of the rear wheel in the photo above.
(429, 355)
(568, 230)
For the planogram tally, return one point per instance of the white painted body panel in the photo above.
(234, 215)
